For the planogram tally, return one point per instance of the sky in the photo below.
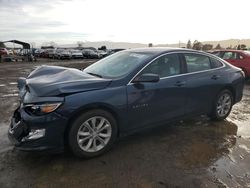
(140, 21)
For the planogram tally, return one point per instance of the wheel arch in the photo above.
(94, 106)
(226, 88)
(231, 89)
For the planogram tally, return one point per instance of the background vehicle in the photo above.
(237, 58)
(51, 53)
(125, 92)
(102, 53)
(76, 54)
(44, 54)
(63, 54)
(38, 52)
(3, 51)
(91, 54)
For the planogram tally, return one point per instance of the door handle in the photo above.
(180, 83)
(215, 77)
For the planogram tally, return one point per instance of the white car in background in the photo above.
(51, 53)
(102, 53)
(76, 54)
(63, 54)
(91, 54)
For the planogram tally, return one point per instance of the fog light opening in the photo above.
(34, 134)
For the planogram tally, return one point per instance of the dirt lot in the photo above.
(191, 153)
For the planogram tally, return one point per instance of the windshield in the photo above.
(117, 65)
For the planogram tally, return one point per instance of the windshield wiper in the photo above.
(94, 74)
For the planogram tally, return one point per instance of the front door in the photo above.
(150, 103)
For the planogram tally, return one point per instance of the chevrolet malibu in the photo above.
(127, 91)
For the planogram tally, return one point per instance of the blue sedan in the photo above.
(127, 91)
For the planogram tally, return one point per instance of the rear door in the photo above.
(150, 103)
(204, 79)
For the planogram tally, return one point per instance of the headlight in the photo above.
(41, 109)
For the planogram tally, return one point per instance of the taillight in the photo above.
(243, 73)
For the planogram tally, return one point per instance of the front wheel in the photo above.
(223, 105)
(92, 133)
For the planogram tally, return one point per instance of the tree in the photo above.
(242, 47)
(52, 43)
(79, 44)
(218, 47)
(189, 44)
(197, 45)
(235, 47)
(207, 47)
(229, 47)
(2, 45)
(104, 48)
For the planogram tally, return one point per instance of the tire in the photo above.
(86, 140)
(222, 105)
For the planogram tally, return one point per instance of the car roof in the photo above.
(228, 50)
(160, 50)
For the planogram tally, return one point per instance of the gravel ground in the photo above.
(191, 153)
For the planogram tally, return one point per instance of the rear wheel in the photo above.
(223, 105)
(92, 133)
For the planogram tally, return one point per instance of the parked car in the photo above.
(44, 54)
(38, 52)
(102, 53)
(237, 58)
(91, 54)
(76, 54)
(3, 51)
(127, 91)
(51, 53)
(62, 54)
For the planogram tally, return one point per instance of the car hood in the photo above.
(53, 81)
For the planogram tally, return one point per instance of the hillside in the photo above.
(223, 43)
(110, 44)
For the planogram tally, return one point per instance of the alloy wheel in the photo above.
(224, 104)
(94, 134)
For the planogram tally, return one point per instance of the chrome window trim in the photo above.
(208, 55)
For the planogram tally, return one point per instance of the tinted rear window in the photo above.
(215, 63)
(197, 62)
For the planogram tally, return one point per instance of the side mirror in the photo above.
(147, 78)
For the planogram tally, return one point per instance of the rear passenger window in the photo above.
(215, 63)
(229, 55)
(196, 62)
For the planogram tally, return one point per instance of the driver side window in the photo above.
(167, 65)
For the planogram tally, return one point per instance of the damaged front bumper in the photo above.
(37, 133)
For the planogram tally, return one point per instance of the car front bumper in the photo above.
(37, 133)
